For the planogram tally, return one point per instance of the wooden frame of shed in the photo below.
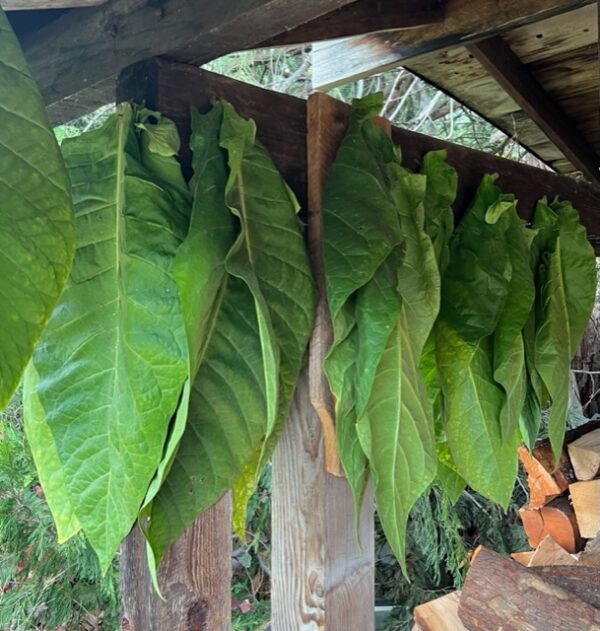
(322, 579)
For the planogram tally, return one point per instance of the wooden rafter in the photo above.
(496, 56)
(347, 59)
(82, 52)
(364, 16)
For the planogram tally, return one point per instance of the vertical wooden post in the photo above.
(195, 578)
(322, 577)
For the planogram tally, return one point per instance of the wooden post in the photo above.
(195, 578)
(321, 578)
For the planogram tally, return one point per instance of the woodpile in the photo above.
(556, 585)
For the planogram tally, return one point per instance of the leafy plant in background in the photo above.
(45, 585)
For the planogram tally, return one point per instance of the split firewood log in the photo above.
(585, 455)
(557, 519)
(501, 594)
(585, 497)
(440, 614)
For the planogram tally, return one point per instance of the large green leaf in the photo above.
(440, 193)
(509, 349)
(199, 265)
(484, 458)
(476, 283)
(113, 359)
(475, 295)
(37, 238)
(397, 430)
(361, 231)
(246, 379)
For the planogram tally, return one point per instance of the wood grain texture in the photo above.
(580, 581)
(322, 580)
(502, 594)
(585, 497)
(556, 519)
(347, 59)
(195, 578)
(549, 553)
(363, 16)
(326, 128)
(585, 455)
(544, 484)
(27, 5)
(440, 614)
(83, 49)
(496, 56)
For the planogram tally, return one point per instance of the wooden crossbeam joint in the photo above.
(496, 56)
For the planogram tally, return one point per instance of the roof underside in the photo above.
(562, 54)
(528, 66)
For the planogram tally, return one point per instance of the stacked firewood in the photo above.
(556, 585)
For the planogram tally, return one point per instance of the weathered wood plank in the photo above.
(322, 580)
(82, 49)
(27, 5)
(347, 59)
(496, 56)
(363, 16)
(195, 578)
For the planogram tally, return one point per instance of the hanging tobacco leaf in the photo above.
(113, 359)
(37, 236)
(248, 371)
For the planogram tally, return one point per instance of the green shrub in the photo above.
(45, 586)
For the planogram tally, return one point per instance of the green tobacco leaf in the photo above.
(360, 232)
(477, 335)
(199, 265)
(440, 193)
(360, 222)
(244, 386)
(509, 349)
(47, 462)
(477, 281)
(37, 238)
(486, 460)
(118, 330)
(578, 264)
(397, 430)
(552, 344)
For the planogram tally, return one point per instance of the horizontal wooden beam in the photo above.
(496, 56)
(84, 49)
(528, 183)
(363, 16)
(27, 5)
(351, 58)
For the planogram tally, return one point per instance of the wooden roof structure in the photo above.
(530, 68)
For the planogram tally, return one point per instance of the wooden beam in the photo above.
(321, 576)
(496, 56)
(363, 16)
(351, 58)
(27, 5)
(84, 49)
(195, 578)
(527, 183)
